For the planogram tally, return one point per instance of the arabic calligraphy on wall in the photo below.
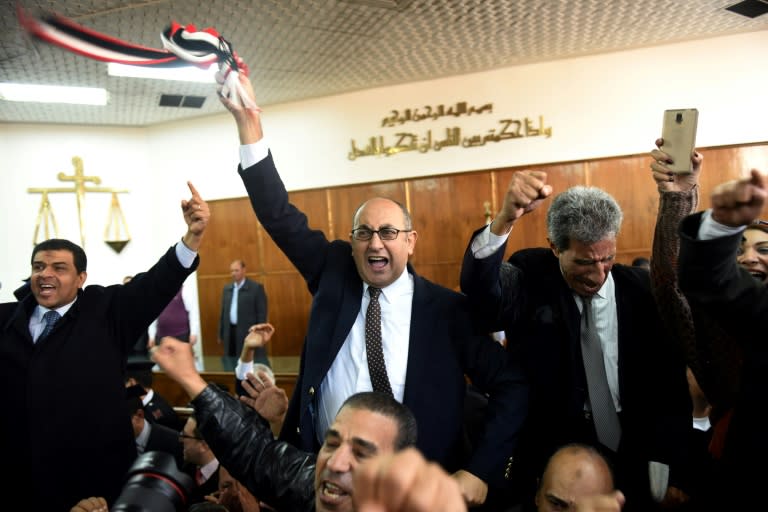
(408, 141)
(427, 112)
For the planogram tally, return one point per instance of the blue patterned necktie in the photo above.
(373, 348)
(50, 318)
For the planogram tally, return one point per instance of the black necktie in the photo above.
(50, 318)
(604, 414)
(376, 365)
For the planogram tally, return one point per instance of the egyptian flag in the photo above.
(182, 46)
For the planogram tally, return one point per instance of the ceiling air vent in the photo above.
(176, 100)
(749, 8)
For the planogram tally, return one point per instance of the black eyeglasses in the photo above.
(183, 436)
(365, 234)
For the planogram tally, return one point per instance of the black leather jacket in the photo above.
(276, 472)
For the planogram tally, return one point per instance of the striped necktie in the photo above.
(604, 414)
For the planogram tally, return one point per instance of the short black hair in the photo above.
(385, 405)
(60, 244)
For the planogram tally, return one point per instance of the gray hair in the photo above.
(585, 214)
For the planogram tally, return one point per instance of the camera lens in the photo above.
(154, 484)
(679, 117)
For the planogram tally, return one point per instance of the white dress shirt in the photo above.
(349, 372)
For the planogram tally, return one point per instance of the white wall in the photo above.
(597, 106)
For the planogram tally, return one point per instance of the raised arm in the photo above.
(258, 336)
(678, 197)
(248, 118)
(196, 215)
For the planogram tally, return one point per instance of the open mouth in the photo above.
(377, 262)
(760, 276)
(46, 289)
(332, 494)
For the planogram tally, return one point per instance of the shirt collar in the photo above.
(402, 285)
(42, 310)
(604, 292)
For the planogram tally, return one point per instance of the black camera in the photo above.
(154, 484)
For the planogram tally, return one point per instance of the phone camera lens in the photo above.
(679, 117)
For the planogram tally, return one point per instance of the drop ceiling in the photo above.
(301, 49)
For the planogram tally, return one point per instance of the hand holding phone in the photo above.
(679, 134)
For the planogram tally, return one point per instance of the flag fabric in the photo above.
(182, 45)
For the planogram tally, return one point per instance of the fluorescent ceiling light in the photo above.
(53, 94)
(181, 73)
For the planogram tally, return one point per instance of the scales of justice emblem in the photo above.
(116, 233)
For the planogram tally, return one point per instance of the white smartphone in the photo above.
(679, 134)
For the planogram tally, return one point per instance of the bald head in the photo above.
(574, 471)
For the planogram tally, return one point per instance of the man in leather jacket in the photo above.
(367, 425)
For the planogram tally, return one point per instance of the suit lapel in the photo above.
(418, 351)
(352, 296)
(20, 320)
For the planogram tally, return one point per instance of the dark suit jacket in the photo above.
(442, 348)
(531, 301)
(65, 425)
(714, 284)
(251, 309)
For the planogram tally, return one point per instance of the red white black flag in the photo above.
(182, 46)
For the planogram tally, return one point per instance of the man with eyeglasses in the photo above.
(199, 461)
(419, 352)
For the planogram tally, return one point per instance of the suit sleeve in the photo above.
(306, 248)
(275, 471)
(711, 279)
(148, 293)
(499, 376)
(481, 283)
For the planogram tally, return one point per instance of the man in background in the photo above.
(243, 304)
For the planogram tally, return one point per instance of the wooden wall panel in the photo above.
(446, 274)
(209, 294)
(315, 206)
(232, 234)
(289, 303)
(629, 180)
(177, 397)
(531, 231)
(730, 163)
(445, 210)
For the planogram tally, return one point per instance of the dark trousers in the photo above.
(232, 351)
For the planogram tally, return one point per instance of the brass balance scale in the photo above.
(115, 234)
